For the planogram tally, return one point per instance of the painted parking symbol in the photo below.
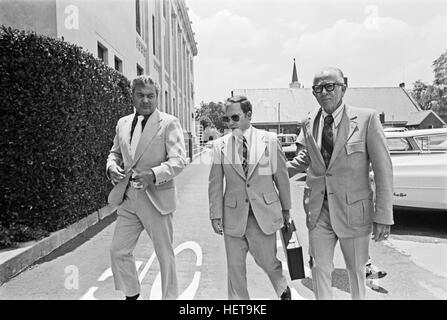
(187, 294)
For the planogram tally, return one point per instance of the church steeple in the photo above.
(295, 83)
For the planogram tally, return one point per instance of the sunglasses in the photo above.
(327, 86)
(234, 117)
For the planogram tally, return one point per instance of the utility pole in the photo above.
(279, 117)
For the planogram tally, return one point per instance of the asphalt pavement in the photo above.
(414, 257)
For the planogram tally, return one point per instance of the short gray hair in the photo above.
(331, 69)
(144, 80)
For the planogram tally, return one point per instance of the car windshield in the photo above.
(432, 142)
(398, 144)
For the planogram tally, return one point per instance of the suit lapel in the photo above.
(345, 130)
(152, 126)
(312, 126)
(127, 126)
(257, 149)
(229, 149)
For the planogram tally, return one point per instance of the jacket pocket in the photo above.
(358, 146)
(164, 186)
(270, 197)
(230, 202)
(359, 207)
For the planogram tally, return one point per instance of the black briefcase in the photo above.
(293, 251)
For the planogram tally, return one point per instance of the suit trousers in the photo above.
(322, 241)
(263, 249)
(136, 214)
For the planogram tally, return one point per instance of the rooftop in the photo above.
(296, 103)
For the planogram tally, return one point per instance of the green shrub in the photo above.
(59, 107)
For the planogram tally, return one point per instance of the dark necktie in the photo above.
(327, 139)
(244, 155)
(134, 123)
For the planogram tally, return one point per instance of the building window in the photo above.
(165, 8)
(153, 34)
(118, 64)
(174, 50)
(174, 108)
(102, 53)
(166, 102)
(140, 70)
(138, 16)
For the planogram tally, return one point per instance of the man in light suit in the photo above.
(255, 202)
(147, 153)
(340, 144)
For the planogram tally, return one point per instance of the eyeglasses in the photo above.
(328, 86)
(234, 117)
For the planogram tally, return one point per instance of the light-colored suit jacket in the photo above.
(266, 187)
(161, 148)
(360, 141)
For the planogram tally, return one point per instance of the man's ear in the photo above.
(249, 115)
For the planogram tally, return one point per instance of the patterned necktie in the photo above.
(327, 139)
(244, 155)
(136, 136)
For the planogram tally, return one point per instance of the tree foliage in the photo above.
(210, 115)
(434, 96)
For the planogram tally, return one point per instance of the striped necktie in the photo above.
(327, 139)
(244, 155)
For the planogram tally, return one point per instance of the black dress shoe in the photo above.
(135, 297)
(286, 295)
(372, 273)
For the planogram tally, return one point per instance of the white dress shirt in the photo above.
(247, 135)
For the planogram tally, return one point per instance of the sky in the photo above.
(245, 44)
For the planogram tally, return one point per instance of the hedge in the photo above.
(59, 107)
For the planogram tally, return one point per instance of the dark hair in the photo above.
(245, 103)
(144, 80)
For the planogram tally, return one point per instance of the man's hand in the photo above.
(141, 180)
(380, 231)
(286, 215)
(217, 226)
(116, 173)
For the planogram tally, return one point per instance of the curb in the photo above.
(40, 249)
(197, 155)
(25, 257)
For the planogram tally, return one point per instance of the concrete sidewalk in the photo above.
(17, 259)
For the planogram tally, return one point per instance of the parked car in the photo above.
(419, 160)
(288, 144)
(395, 129)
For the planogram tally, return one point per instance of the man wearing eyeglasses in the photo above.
(341, 142)
(249, 198)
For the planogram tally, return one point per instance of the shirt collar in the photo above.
(246, 134)
(145, 117)
(337, 114)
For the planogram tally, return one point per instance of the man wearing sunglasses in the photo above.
(340, 144)
(249, 198)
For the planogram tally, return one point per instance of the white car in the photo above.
(288, 144)
(419, 160)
